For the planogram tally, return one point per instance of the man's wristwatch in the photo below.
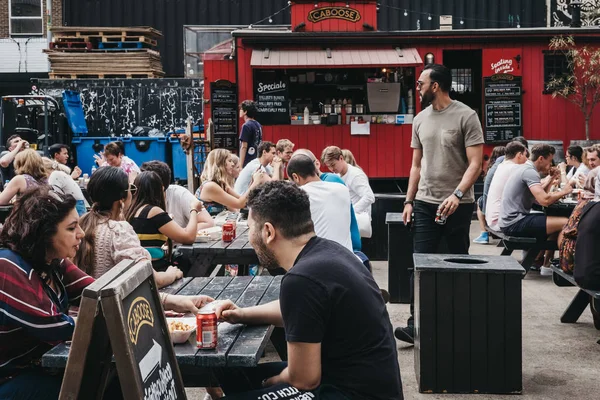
(411, 202)
(459, 194)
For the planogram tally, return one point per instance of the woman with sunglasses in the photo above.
(109, 239)
(38, 283)
(155, 228)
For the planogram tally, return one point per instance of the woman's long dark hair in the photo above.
(107, 185)
(33, 222)
(150, 192)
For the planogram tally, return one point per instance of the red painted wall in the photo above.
(367, 10)
(386, 153)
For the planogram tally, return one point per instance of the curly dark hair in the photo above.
(33, 222)
(284, 205)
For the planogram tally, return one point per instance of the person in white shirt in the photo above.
(357, 182)
(516, 154)
(266, 153)
(178, 198)
(329, 202)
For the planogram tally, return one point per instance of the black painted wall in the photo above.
(169, 16)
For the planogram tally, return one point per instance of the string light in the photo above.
(270, 20)
(429, 17)
(347, 4)
(461, 21)
(270, 17)
(405, 13)
(316, 5)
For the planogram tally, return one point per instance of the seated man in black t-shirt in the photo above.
(339, 337)
(15, 144)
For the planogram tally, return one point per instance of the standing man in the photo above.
(266, 153)
(60, 153)
(329, 202)
(251, 134)
(15, 145)
(447, 144)
(339, 338)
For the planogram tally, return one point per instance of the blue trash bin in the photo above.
(86, 147)
(141, 149)
(179, 165)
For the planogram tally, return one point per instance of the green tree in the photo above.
(580, 85)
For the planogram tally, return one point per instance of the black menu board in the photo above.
(272, 96)
(224, 110)
(503, 108)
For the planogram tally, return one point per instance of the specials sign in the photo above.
(324, 13)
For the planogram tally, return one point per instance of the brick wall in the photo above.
(4, 18)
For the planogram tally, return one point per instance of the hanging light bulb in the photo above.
(518, 25)
(405, 13)
(462, 22)
(270, 20)
(316, 4)
(347, 4)
(429, 17)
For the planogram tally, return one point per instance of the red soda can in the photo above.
(206, 330)
(439, 218)
(228, 232)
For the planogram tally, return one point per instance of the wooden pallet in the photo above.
(141, 39)
(121, 45)
(71, 45)
(102, 51)
(102, 75)
(106, 31)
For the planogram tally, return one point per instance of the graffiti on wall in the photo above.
(561, 13)
(115, 107)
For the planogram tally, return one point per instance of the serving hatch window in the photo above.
(556, 65)
(461, 80)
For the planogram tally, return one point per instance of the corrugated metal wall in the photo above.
(169, 16)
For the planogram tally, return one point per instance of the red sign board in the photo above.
(502, 62)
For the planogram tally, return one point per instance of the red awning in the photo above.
(335, 58)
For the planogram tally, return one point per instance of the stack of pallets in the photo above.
(84, 52)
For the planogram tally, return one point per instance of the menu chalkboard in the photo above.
(271, 93)
(503, 108)
(224, 110)
(139, 335)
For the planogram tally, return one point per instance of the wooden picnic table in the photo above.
(238, 346)
(204, 256)
(558, 209)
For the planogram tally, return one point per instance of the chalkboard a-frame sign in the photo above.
(132, 321)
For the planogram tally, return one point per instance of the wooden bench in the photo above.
(579, 302)
(531, 246)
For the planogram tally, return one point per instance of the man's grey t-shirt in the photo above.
(444, 136)
(517, 198)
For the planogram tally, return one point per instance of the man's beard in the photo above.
(426, 99)
(265, 256)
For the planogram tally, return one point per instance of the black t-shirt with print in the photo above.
(251, 134)
(329, 297)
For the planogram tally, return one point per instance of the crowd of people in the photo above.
(302, 222)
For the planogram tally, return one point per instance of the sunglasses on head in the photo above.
(132, 189)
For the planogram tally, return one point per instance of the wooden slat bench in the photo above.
(531, 246)
(579, 302)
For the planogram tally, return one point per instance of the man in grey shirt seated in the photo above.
(266, 153)
(524, 188)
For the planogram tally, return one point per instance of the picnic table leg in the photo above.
(278, 340)
(201, 266)
(506, 251)
(529, 258)
(575, 308)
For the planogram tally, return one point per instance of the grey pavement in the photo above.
(560, 361)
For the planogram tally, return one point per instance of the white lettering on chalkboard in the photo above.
(163, 388)
(271, 87)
